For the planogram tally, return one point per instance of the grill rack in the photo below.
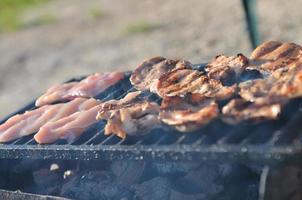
(273, 142)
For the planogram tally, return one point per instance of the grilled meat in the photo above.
(227, 69)
(132, 115)
(282, 63)
(256, 90)
(188, 113)
(238, 110)
(276, 57)
(31, 121)
(146, 75)
(89, 87)
(68, 128)
(289, 86)
(272, 90)
(183, 81)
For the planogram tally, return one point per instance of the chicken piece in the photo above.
(68, 128)
(88, 87)
(131, 115)
(30, 122)
(188, 113)
(227, 69)
(238, 110)
(146, 75)
(183, 81)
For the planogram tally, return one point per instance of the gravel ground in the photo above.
(98, 36)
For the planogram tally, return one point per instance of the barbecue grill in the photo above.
(272, 142)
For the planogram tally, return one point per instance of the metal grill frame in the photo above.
(111, 148)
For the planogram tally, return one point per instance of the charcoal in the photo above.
(206, 179)
(165, 168)
(127, 172)
(46, 181)
(98, 185)
(161, 188)
(238, 181)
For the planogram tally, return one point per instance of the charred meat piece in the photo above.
(289, 86)
(68, 128)
(30, 122)
(227, 69)
(238, 110)
(271, 90)
(188, 113)
(131, 115)
(274, 57)
(256, 90)
(88, 87)
(183, 81)
(146, 75)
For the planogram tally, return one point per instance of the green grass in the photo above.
(96, 13)
(44, 19)
(11, 11)
(140, 27)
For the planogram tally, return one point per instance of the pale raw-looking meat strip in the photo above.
(88, 87)
(68, 128)
(30, 122)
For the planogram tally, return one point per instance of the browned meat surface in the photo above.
(289, 86)
(227, 69)
(256, 90)
(131, 115)
(146, 75)
(238, 110)
(276, 56)
(183, 81)
(188, 113)
(31, 121)
(264, 98)
(272, 90)
(88, 87)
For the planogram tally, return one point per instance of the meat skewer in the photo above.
(31, 121)
(88, 87)
(132, 115)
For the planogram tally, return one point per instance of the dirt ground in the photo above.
(104, 35)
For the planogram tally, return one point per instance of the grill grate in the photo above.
(273, 142)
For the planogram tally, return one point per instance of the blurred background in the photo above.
(45, 42)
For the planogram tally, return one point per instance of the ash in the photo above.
(132, 179)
